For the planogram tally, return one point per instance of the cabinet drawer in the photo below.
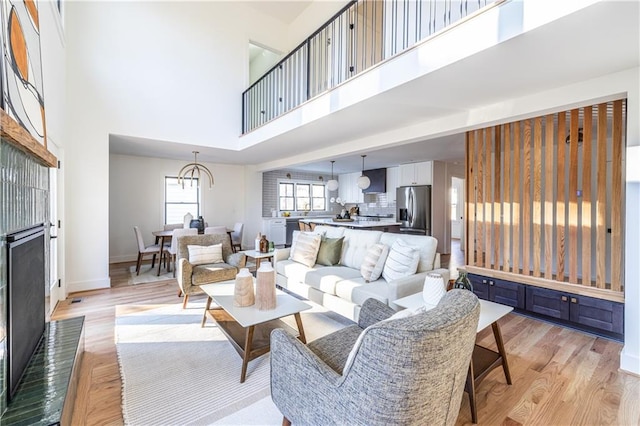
(597, 313)
(547, 302)
(480, 286)
(507, 293)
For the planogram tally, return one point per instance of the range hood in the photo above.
(378, 178)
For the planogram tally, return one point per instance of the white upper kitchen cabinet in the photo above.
(416, 173)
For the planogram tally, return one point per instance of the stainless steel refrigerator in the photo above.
(414, 209)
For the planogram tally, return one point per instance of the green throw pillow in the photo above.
(330, 251)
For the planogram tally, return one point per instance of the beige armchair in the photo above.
(191, 277)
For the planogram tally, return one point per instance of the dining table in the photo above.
(164, 236)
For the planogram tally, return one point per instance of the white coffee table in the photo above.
(483, 360)
(247, 328)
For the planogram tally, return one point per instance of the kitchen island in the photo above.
(376, 225)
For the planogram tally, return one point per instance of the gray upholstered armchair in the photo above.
(407, 371)
(191, 277)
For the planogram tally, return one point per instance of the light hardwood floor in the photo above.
(560, 376)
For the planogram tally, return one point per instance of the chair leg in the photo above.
(153, 260)
(139, 263)
(179, 293)
(184, 302)
(286, 422)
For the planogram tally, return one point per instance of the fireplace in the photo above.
(25, 299)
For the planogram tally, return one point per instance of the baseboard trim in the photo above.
(74, 287)
(629, 362)
(125, 258)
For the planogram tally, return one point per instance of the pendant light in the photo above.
(192, 170)
(333, 184)
(363, 181)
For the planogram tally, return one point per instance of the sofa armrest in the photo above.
(239, 260)
(436, 261)
(281, 254)
(412, 284)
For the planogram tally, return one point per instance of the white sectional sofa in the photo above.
(342, 288)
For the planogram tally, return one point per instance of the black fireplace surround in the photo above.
(25, 299)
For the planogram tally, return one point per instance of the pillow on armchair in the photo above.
(201, 255)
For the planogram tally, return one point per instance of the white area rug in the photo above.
(176, 373)
(149, 274)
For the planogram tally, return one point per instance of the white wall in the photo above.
(53, 69)
(136, 198)
(163, 70)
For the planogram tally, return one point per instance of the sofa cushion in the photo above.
(325, 279)
(355, 246)
(402, 261)
(356, 290)
(214, 272)
(201, 255)
(425, 244)
(373, 262)
(305, 248)
(330, 251)
(294, 271)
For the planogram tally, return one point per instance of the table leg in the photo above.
(470, 387)
(498, 336)
(206, 308)
(160, 254)
(247, 352)
(301, 336)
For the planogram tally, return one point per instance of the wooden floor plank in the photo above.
(560, 376)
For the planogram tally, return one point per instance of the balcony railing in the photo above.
(358, 37)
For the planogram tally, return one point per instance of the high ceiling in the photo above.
(530, 63)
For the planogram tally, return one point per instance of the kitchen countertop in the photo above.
(355, 224)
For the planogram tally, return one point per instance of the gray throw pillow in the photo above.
(330, 251)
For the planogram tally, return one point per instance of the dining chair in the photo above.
(236, 237)
(173, 249)
(304, 226)
(215, 230)
(143, 250)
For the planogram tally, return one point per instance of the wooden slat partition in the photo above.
(506, 198)
(539, 194)
(488, 218)
(573, 197)
(515, 214)
(587, 229)
(548, 197)
(560, 206)
(616, 198)
(470, 202)
(601, 203)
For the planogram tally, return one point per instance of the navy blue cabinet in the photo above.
(499, 291)
(586, 313)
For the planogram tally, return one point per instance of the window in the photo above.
(178, 201)
(301, 196)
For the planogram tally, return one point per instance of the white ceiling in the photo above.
(558, 54)
(284, 11)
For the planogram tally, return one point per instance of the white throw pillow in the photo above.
(402, 261)
(434, 289)
(373, 262)
(200, 255)
(305, 249)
